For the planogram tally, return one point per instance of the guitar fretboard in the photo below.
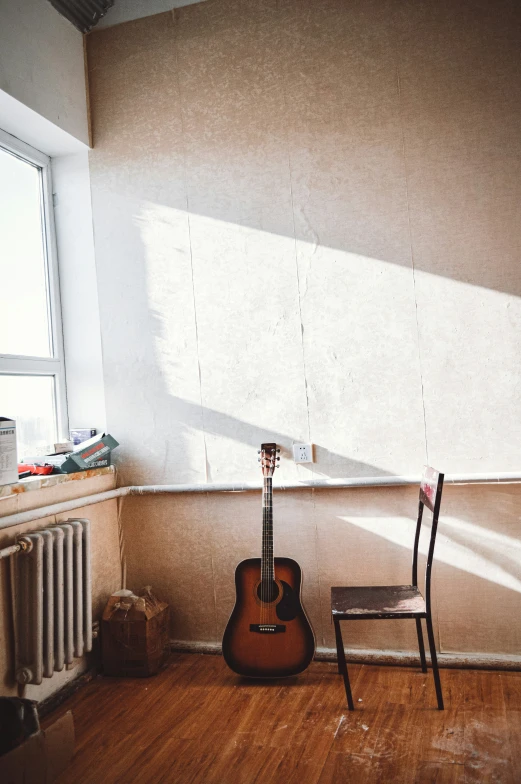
(267, 567)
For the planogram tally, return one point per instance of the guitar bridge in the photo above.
(267, 628)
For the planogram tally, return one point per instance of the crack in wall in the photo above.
(409, 229)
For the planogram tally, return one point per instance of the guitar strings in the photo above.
(267, 562)
(266, 554)
(263, 546)
(265, 542)
(263, 550)
(269, 550)
(264, 609)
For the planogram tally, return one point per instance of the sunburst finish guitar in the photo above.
(268, 634)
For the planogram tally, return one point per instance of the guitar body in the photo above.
(268, 634)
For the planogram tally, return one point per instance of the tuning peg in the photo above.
(258, 460)
(258, 451)
(278, 450)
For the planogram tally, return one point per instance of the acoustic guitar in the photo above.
(268, 634)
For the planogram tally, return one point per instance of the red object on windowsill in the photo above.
(35, 470)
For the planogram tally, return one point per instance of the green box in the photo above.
(89, 453)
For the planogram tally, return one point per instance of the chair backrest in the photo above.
(431, 487)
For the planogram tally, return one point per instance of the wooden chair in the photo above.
(395, 601)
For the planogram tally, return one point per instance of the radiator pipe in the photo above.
(241, 487)
(77, 529)
(23, 545)
(68, 577)
(7, 551)
(48, 602)
(58, 545)
(31, 669)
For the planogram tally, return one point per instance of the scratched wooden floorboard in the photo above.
(511, 683)
(197, 722)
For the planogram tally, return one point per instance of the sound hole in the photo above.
(267, 590)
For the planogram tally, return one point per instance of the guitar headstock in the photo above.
(268, 458)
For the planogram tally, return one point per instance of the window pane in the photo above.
(29, 400)
(24, 327)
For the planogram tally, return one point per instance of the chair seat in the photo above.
(378, 601)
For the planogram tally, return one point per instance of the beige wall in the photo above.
(188, 547)
(307, 228)
(106, 567)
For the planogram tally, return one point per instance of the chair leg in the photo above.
(339, 647)
(342, 664)
(421, 645)
(434, 660)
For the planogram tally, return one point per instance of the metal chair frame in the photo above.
(430, 496)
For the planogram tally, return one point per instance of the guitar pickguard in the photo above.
(288, 606)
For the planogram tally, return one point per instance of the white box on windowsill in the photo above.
(8, 457)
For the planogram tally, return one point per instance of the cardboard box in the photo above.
(65, 446)
(134, 634)
(94, 453)
(69, 466)
(42, 757)
(62, 464)
(8, 456)
(92, 450)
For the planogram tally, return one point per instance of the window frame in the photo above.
(21, 365)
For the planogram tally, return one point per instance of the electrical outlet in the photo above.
(303, 453)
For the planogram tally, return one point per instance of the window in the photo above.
(32, 372)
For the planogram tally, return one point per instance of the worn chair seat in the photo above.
(377, 601)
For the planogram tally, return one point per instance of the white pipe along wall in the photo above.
(240, 487)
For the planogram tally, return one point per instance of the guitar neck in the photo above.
(267, 565)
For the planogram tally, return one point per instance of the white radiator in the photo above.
(52, 595)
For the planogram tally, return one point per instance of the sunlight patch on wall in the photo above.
(400, 531)
(283, 335)
(165, 236)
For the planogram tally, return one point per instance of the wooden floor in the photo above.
(197, 722)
